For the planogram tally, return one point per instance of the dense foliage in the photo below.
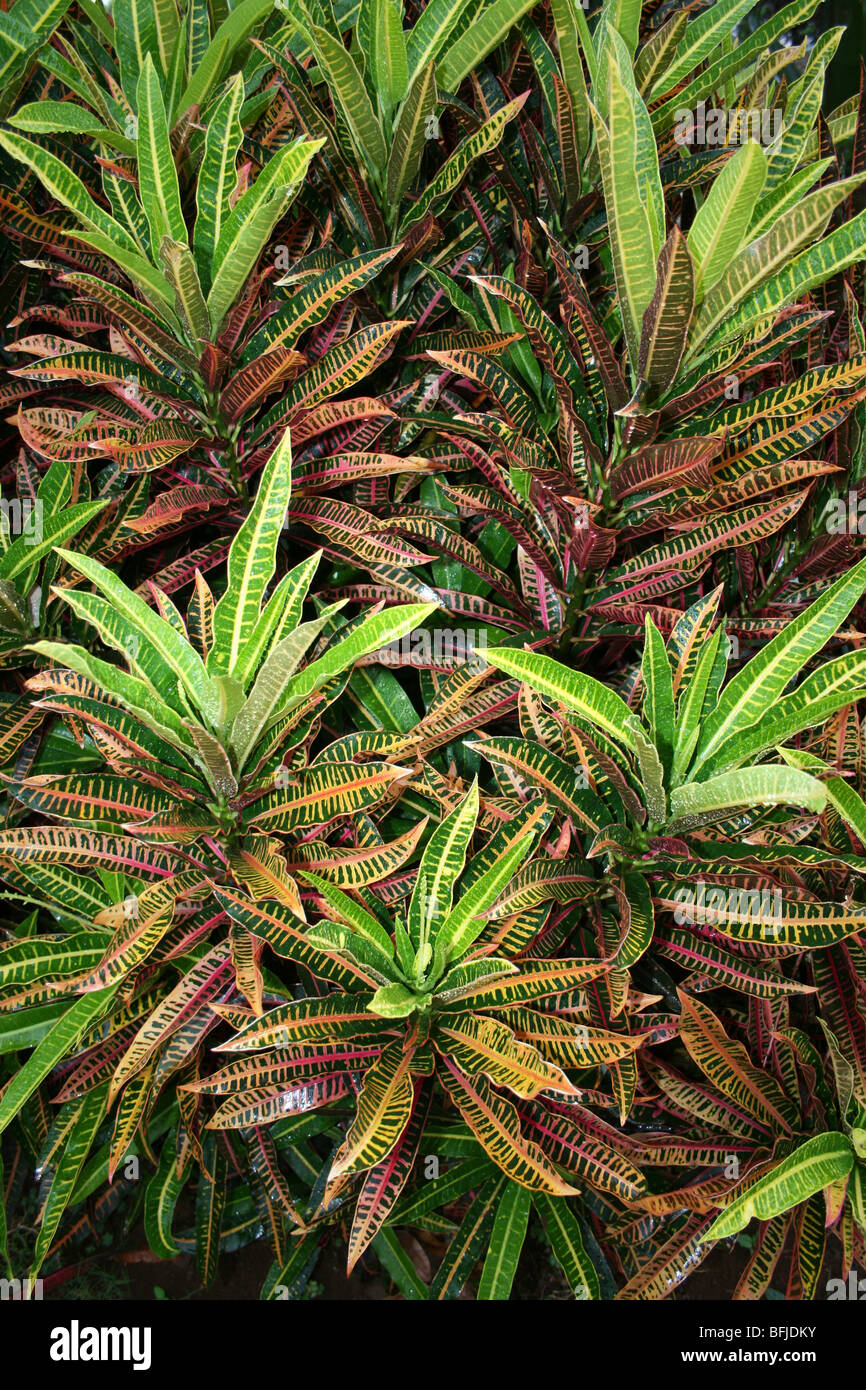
(432, 627)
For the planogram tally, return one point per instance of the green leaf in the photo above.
(157, 175)
(169, 647)
(26, 550)
(143, 29)
(468, 1243)
(210, 1202)
(272, 682)
(506, 1242)
(59, 1043)
(233, 31)
(702, 36)
(563, 1232)
(66, 118)
(431, 32)
(67, 188)
(129, 691)
(835, 684)
(632, 240)
(280, 615)
(160, 1201)
(251, 563)
(771, 784)
(369, 636)
(217, 176)
(842, 248)
(89, 1114)
(246, 230)
(481, 37)
(410, 133)
(723, 219)
(351, 99)
(659, 698)
(822, 1160)
(770, 249)
(21, 36)
(440, 867)
(180, 272)
(481, 142)
(399, 1265)
(393, 1001)
(844, 798)
(583, 694)
(691, 703)
(760, 683)
(344, 907)
(465, 922)
(385, 50)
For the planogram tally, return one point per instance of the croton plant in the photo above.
(433, 639)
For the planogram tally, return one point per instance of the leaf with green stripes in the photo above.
(251, 562)
(723, 219)
(234, 30)
(488, 29)
(153, 631)
(383, 1110)
(506, 1242)
(157, 174)
(217, 176)
(27, 550)
(160, 1200)
(179, 268)
(563, 1231)
(487, 1046)
(244, 233)
(481, 142)
(702, 37)
(410, 131)
(466, 921)
(81, 1133)
(759, 684)
(67, 118)
(441, 865)
(398, 1265)
(432, 30)
(313, 297)
(580, 693)
(842, 248)
(66, 187)
(769, 250)
(351, 99)
(210, 1205)
(814, 1165)
(631, 241)
(58, 1043)
(834, 685)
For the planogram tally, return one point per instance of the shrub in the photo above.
(430, 737)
